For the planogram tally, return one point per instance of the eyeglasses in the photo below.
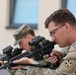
(54, 31)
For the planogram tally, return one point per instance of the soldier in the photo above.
(22, 36)
(62, 28)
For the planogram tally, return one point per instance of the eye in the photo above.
(51, 33)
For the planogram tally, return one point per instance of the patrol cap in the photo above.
(19, 33)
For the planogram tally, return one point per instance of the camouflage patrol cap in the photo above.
(19, 33)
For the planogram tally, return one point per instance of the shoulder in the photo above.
(68, 66)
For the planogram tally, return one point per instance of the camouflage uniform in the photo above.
(18, 35)
(40, 71)
(17, 72)
(68, 66)
(31, 70)
(65, 51)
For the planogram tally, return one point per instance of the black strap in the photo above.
(48, 65)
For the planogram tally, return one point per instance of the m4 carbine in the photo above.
(41, 48)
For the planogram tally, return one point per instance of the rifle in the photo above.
(41, 48)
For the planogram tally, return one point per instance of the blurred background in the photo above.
(14, 13)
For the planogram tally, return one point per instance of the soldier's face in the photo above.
(58, 34)
(24, 42)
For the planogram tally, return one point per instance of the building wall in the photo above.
(46, 7)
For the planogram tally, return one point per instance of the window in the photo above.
(23, 12)
(69, 4)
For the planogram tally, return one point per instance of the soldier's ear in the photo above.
(29, 36)
(67, 27)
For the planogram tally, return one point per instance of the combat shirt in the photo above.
(40, 71)
(68, 66)
(17, 72)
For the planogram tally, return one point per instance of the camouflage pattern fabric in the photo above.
(17, 72)
(68, 66)
(40, 71)
(18, 35)
(65, 50)
(20, 72)
(34, 70)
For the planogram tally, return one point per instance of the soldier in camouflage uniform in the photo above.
(62, 28)
(22, 36)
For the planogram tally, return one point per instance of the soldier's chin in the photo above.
(61, 46)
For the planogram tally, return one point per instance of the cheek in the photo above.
(61, 33)
(23, 43)
(60, 36)
(62, 39)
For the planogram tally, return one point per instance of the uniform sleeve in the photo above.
(40, 71)
(64, 51)
(17, 72)
(11, 71)
(67, 67)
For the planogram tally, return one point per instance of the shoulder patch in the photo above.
(68, 66)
